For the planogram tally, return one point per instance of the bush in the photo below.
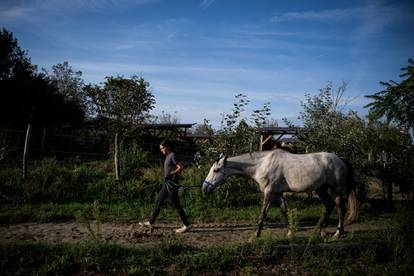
(10, 184)
(133, 160)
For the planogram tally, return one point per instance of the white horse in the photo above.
(279, 171)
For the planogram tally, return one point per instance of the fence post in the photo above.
(116, 153)
(26, 149)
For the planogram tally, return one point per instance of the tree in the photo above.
(28, 98)
(326, 127)
(16, 75)
(27, 95)
(165, 118)
(124, 102)
(393, 150)
(396, 101)
(236, 136)
(260, 117)
(391, 157)
(70, 85)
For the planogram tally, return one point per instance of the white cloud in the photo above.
(336, 14)
(13, 13)
(206, 4)
(39, 10)
(374, 12)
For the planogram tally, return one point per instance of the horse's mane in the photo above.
(252, 155)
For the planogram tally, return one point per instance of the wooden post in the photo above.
(26, 149)
(264, 141)
(116, 156)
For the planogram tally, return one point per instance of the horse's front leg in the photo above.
(263, 213)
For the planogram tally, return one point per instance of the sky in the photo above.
(198, 54)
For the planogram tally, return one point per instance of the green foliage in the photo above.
(401, 236)
(122, 100)
(70, 85)
(293, 222)
(13, 60)
(123, 103)
(236, 136)
(326, 128)
(133, 160)
(364, 145)
(391, 157)
(29, 96)
(392, 152)
(50, 181)
(83, 219)
(263, 256)
(396, 101)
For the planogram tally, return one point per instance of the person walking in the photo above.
(170, 187)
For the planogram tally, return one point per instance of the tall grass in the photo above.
(264, 256)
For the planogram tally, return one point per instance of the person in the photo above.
(277, 145)
(170, 187)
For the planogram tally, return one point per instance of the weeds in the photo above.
(293, 222)
(401, 236)
(267, 256)
(82, 219)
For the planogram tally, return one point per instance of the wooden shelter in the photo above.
(267, 135)
(177, 131)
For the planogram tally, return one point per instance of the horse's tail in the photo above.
(353, 206)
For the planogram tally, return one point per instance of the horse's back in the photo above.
(307, 172)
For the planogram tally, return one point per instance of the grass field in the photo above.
(75, 219)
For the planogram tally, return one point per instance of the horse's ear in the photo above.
(221, 155)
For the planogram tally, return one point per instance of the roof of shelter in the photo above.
(278, 130)
(168, 126)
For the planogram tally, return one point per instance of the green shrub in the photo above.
(133, 160)
(401, 236)
(11, 184)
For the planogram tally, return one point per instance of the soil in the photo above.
(130, 234)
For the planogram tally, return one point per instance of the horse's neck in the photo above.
(236, 165)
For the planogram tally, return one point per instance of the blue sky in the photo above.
(198, 54)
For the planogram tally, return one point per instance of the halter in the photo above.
(208, 183)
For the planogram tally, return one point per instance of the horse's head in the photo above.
(215, 175)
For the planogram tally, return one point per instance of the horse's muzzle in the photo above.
(207, 187)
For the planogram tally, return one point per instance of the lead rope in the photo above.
(170, 185)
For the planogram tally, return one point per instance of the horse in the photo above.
(279, 171)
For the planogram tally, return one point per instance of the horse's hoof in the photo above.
(323, 234)
(337, 234)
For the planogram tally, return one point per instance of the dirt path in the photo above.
(127, 234)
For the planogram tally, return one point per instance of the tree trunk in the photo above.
(116, 156)
(26, 149)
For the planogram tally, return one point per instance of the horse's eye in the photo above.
(216, 170)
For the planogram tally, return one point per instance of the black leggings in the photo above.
(172, 193)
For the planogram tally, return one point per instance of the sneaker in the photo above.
(183, 229)
(145, 224)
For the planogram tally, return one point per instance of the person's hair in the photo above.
(167, 144)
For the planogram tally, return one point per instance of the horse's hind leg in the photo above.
(329, 205)
(340, 208)
(280, 201)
